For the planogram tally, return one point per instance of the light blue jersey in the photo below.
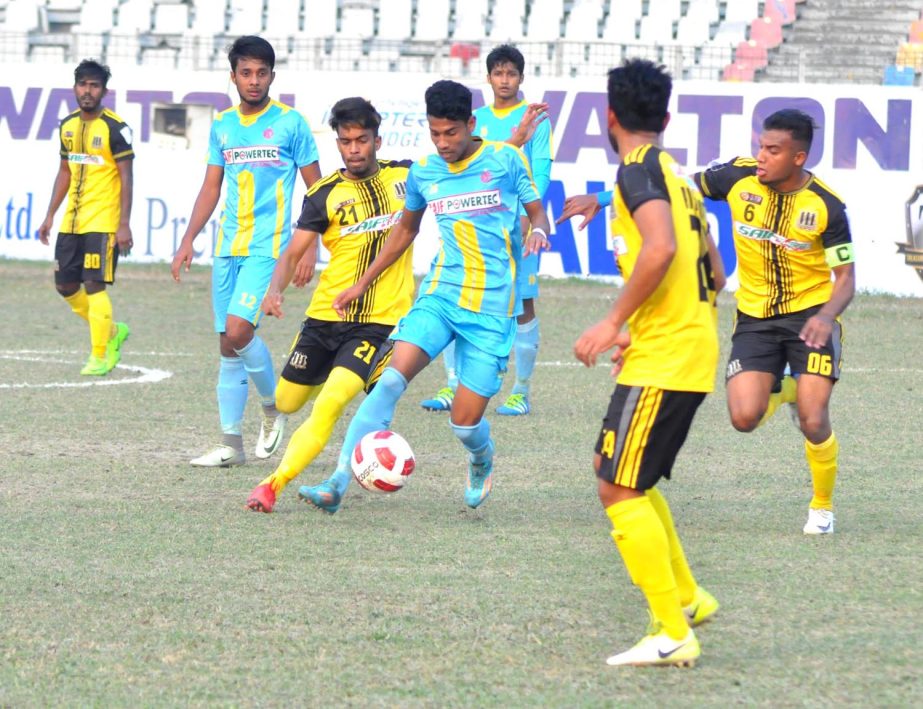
(501, 123)
(260, 154)
(476, 204)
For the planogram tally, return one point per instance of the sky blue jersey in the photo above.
(261, 155)
(500, 123)
(476, 205)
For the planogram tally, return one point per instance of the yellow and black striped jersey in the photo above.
(92, 149)
(674, 333)
(786, 243)
(354, 217)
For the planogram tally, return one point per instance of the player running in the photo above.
(353, 210)
(95, 173)
(666, 361)
(504, 120)
(474, 188)
(260, 145)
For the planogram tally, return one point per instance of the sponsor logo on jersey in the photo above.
(127, 135)
(345, 203)
(267, 134)
(376, 223)
(84, 159)
(97, 141)
(486, 177)
(251, 154)
(751, 198)
(434, 188)
(487, 200)
(400, 190)
(759, 234)
(807, 219)
(619, 247)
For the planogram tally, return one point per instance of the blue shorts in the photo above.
(482, 342)
(238, 286)
(527, 278)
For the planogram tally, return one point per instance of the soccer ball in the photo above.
(382, 461)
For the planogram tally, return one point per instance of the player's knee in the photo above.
(290, 396)
(238, 333)
(93, 287)
(744, 418)
(815, 425)
(66, 290)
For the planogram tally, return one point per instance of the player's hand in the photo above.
(535, 114)
(342, 301)
(124, 240)
(618, 354)
(816, 331)
(44, 230)
(599, 338)
(272, 303)
(585, 205)
(304, 269)
(183, 256)
(535, 242)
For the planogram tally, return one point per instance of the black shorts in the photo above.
(766, 344)
(322, 345)
(85, 257)
(642, 432)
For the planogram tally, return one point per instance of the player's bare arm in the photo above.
(304, 270)
(310, 173)
(303, 243)
(582, 205)
(61, 184)
(717, 266)
(401, 237)
(816, 331)
(123, 233)
(205, 204)
(658, 246)
(535, 114)
(537, 239)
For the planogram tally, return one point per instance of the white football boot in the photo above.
(819, 522)
(658, 648)
(220, 457)
(272, 429)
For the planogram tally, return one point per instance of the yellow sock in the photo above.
(685, 581)
(310, 438)
(822, 460)
(79, 304)
(642, 542)
(100, 317)
(788, 395)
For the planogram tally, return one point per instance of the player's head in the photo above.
(252, 61)
(784, 146)
(639, 93)
(355, 121)
(448, 110)
(90, 81)
(505, 68)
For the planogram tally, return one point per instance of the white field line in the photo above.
(147, 375)
(604, 362)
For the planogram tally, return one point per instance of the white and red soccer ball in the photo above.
(382, 461)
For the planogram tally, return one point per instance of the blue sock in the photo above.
(258, 363)
(448, 359)
(374, 414)
(476, 440)
(232, 394)
(526, 348)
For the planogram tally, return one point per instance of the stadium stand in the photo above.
(740, 40)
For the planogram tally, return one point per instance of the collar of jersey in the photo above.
(503, 112)
(463, 164)
(251, 118)
(800, 189)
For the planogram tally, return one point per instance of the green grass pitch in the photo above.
(129, 578)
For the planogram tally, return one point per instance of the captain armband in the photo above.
(839, 255)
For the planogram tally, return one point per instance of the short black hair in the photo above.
(355, 111)
(639, 92)
(92, 69)
(797, 123)
(506, 54)
(448, 99)
(251, 47)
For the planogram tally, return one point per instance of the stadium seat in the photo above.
(506, 20)
(665, 8)
(62, 15)
(693, 30)
(916, 31)
(738, 72)
(899, 75)
(470, 22)
(48, 54)
(910, 54)
(583, 21)
(432, 23)
(542, 27)
(656, 29)
(245, 17)
(781, 10)
(358, 22)
(751, 53)
(209, 17)
(620, 28)
(394, 19)
(766, 31)
(741, 11)
(283, 17)
(730, 33)
(703, 8)
(170, 19)
(134, 16)
(95, 19)
(21, 16)
(320, 18)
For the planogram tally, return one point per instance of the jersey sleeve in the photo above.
(304, 148)
(215, 154)
(314, 215)
(718, 180)
(414, 201)
(120, 139)
(541, 156)
(641, 182)
(837, 238)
